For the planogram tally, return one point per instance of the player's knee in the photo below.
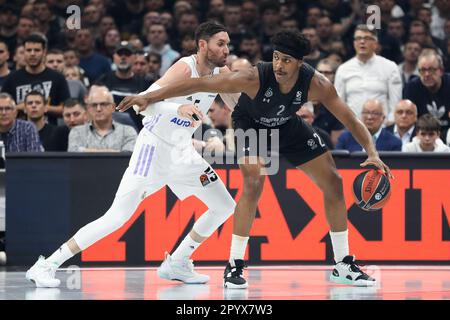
(253, 186)
(334, 185)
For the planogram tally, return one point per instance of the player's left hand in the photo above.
(127, 102)
(376, 161)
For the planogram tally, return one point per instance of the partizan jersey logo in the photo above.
(267, 95)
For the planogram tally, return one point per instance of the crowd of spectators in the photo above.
(60, 85)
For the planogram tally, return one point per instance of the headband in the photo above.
(288, 50)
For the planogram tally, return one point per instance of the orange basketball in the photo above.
(371, 189)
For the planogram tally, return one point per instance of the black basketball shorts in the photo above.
(298, 141)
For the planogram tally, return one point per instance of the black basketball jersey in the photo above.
(271, 108)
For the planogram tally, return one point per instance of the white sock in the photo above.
(339, 240)
(61, 255)
(186, 248)
(238, 246)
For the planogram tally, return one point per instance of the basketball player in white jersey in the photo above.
(164, 155)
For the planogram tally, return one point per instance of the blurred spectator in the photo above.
(136, 42)
(250, 17)
(19, 57)
(72, 59)
(289, 24)
(339, 48)
(408, 68)
(150, 18)
(166, 19)
(101, 133)
(100, 6)
(306, 112)
(396, 29)
(157, 37)
(431, 91)
(17, 135)
(372, 116)
(250, 48)
(180, 7)
(36, 76)
(424, 15)
(188, 45)
(91, 18)
(154, 5)
(140, 64)
(216, 8)
(4, 57)
(9, 16)
(419, 32)
(240, 64)
(440, 14)
(55, 61)
(128, 15)
(336, 58)
(106, 23)
(47, 22)
(35, 109)
(323, 118)
(91, 62)
(368, 76)
(110, 42)
(187, 22)
(154, 66)
(232, 19)
(74, 113)
(24, 28)
(313, 14)
(324, 29)
(124, 82)
(270, 24)
(405, 117)
(315, 54)
(427, 139)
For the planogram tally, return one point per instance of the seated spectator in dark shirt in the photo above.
(74, 114)
(17, 135)
(405, 117)
(373, 116)
(306, 112)
(431, 91)
(35, 109)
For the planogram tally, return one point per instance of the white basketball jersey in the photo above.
(168, 125)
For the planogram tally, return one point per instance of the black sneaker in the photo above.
(232, 277)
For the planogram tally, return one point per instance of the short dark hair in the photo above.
(35, 93)
(37, 37)
(155, 55)
(55, 51)
(366, 28)
(249, 36)
(293, 40)
(207, 29)
(71, 102)
(428, 123)
(269, 5)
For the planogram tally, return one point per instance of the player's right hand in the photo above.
(188, 111)
(127, 102)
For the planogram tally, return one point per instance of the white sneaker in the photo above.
(42, 274)
(348, 272)
(180, 270)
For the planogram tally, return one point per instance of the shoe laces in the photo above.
(237, 271)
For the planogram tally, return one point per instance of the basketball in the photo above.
(371, 189)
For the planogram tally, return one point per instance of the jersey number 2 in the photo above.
(320, 140)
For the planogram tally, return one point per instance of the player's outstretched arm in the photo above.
(232, 82)
(322, 90)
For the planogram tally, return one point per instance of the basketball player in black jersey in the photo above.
(271, 93)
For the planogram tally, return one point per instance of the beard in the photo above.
(214, 60)
(124, 67)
